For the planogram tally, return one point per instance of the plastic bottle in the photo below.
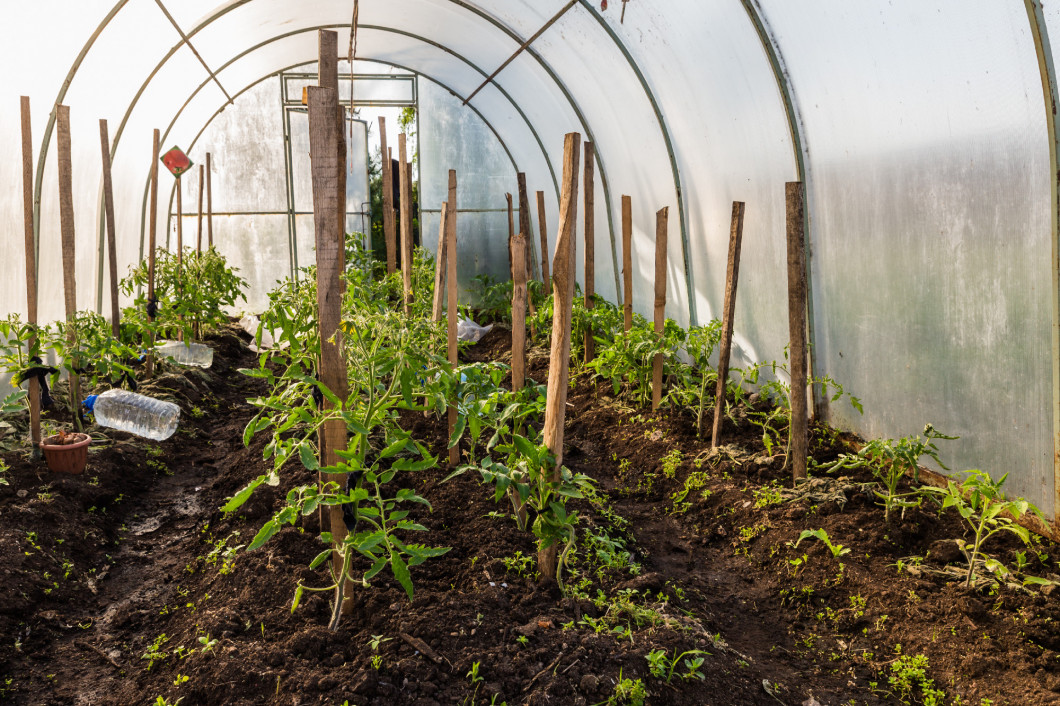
(186, 353)
(137, 414)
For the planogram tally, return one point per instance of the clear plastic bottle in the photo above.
(186, 353)
(137, 414)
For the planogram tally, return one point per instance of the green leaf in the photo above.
(320, 558)
(308, 456)
(394, 448)
(264, 534)
(458, 431)
(242, 496)
(297, 598)
(401, 573)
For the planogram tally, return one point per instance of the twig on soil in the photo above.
(542, 672)
(418, 644)
(101, 653)
(571, 665)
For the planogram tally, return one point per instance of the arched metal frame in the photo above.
(1043, 48)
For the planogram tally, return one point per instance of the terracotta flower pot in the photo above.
(66, 453)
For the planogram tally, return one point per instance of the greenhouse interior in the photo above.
(365, 352)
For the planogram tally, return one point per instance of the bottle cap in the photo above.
(90, 402)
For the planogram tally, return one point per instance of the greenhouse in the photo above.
(443, 352)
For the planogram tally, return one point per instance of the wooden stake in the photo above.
(202, 185)
(511, 234)
(112, 246)
(66, 225)
(545, 278)
(152, 240)
(732, 275)
(627, 262)
(440, 265)
(590, 247)
(661, 219)
(450, 255)
(563, 296)
(180, 250)
(798, 440)
(524, 228)
(406, 224)
(324, 135)
(209, 202)
(31, 268)
(518, 311)
(388, 201)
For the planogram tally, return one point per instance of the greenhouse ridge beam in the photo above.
(525, 45)
(192, 48)
(1043, 48)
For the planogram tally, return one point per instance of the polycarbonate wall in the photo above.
(922, 124)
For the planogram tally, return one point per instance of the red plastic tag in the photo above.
(176, 161)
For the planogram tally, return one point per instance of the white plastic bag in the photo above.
(468, 330)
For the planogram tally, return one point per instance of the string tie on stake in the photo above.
(152, 307)
(41, 372)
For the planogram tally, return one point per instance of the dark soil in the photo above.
(98, 568)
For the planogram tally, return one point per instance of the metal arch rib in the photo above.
(791, 109)
(169, 213)
(664, 128)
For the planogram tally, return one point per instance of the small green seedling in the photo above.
(837, 550)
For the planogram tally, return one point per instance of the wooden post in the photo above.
(152, 240)
(324, 134)
(518, 311)
(450, 256)
(112, 246)
(545, 278)
(209, 203)
(732, 275)
(511, 234)
(440, 265)
(798, 440)
(524, 228)
(563, 296)
(627, 263)
(590, 247)
(406, 224)
(661, 219)
(198, 239)
(388, 201)
(31, 268)
(180, 251)
(66, 225)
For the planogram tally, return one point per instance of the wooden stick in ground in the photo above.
(450, 256)
(590, 247)
(202, 185)
(324, 134)
(524, 228)
(180, 251)
(209, 204)
(406, 224)
(732, 276)
(388, 201)
(661, 219)
(545, 278)
(66, 225)
(798, 439)
(440, 264)
(112, 246)
(152, 240)
(31, 268)
(518, 312)
(627, 263)
(563, 297)
(511, 234)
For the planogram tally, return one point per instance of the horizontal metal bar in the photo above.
(467, 210)
(194, 214)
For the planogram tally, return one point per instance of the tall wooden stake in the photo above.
(180, 250)
(66, 225)
(545, 278)
(518, 312)
(524, 228)
(406, 224)
(112, 246)
(661, 219)
(590, 247)
(798, 441)
(732, 276)
(209, 202)
(152, 241)
(440, 265)
(563, 297)
(31, 268)
(388, 201)
(627, 263)
(450, 256)
(202, 186)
